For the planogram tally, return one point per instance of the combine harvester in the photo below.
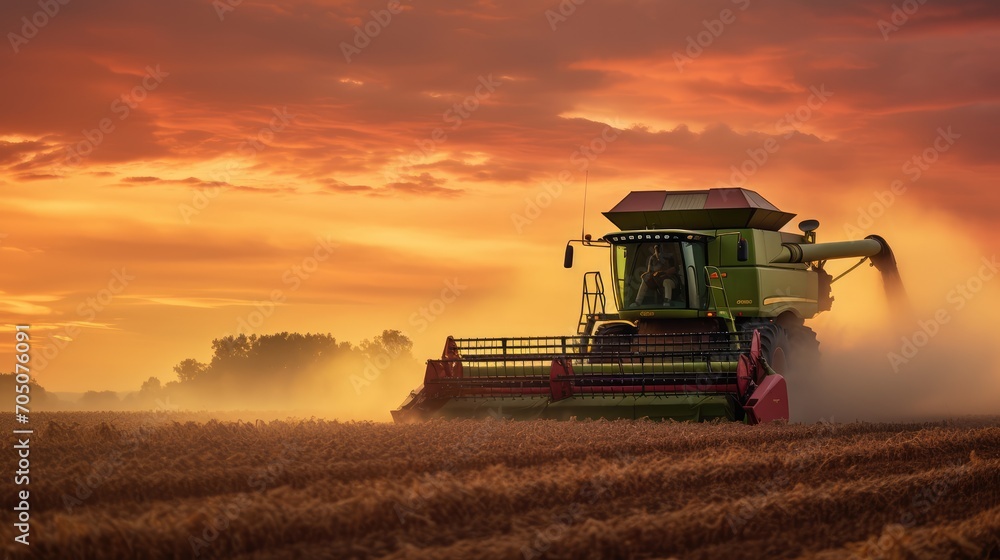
(712, 301)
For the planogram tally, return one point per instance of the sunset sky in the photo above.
(176, 171)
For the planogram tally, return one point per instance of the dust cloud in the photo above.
(940, 363)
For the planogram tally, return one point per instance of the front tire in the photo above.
(786, 349)
(612, 339)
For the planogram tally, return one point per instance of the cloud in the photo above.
(335, 186)
(195, 302)
(141, 180)
(423, 184)
(23, 308)
(12, 151)
(418, 185)
(607, 64)
(405, 158)
(200, 184)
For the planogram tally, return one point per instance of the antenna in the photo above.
(583, 224)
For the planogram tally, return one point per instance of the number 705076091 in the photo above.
(22, 349)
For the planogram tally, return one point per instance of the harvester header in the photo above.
(711, 300)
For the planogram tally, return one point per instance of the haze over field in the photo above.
(173, 173)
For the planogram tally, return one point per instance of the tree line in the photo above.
(271, 371)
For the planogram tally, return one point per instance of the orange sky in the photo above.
(247, 173)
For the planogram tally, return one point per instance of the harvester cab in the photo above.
(712, 300)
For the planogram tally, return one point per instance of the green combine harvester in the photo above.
(712, 301)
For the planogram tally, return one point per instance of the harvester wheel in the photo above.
(619, 344)
(775, 346)
(787, 349)
(616, 328)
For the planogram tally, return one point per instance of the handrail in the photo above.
(593, 302)
(728, 313)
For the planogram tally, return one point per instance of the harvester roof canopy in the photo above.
(704, 209)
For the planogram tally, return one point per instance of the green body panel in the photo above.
(631, 315)
(757, 288)
(680, 407)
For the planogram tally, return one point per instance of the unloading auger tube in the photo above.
(873, 248)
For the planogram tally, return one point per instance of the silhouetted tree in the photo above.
(391, 342)
(39, 397)
(189, 370)
(230, 350)
(279, 356)
(151, 385)
(270, 369)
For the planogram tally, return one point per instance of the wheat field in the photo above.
(176, 485)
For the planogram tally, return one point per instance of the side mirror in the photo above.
(568, 258)
(742, 250)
